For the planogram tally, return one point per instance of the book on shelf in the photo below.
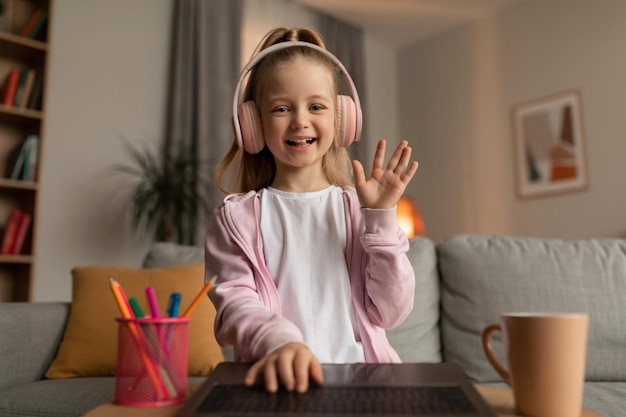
(22, 162)
(17, 14)
(10, 86)
(35, 25)
(10, 232)
(31, 22)
(22, 231)
(15, 161)
(34, 101)
(28, 88)
(15, 231)
(20, 87)
(30, 158)
(39, 29)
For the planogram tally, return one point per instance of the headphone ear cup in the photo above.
(252, 139)
(346, 120)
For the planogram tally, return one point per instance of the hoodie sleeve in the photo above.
(248, 309)
(379, 257)
(389, 276)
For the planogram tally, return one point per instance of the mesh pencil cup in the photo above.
(152, 361)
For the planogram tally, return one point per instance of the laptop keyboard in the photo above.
(349, 400)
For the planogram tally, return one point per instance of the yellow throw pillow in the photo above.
(89, 345)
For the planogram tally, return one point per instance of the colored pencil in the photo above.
(199, 297)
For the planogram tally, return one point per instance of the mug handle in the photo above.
(491, 356)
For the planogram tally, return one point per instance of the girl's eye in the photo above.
(317, 107)
(281, 109)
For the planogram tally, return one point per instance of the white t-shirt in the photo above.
(304, 235)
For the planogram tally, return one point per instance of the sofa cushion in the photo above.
(68, 397)
(30, 335)
(89, 346)
(484, 276)
(164, 254)
(57, 397)
(418, 338)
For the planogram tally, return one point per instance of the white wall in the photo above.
(107, 77)
(381, 74)
(456, 92)
(261, 16)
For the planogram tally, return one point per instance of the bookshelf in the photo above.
(20, 118)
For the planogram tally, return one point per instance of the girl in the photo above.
(311, 268)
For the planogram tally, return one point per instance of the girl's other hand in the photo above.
(385, 185)
(292, 365)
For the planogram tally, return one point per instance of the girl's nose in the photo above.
(299, 120)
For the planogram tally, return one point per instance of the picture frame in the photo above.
(549, 145)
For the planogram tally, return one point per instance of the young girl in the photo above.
(311, 268)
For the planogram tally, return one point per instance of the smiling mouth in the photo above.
(300, 143)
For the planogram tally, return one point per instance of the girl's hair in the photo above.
(256, 171)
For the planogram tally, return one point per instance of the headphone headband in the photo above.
(284, 45)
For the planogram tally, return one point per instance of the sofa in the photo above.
(463, 283)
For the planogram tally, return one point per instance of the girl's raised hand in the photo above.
(385, 186)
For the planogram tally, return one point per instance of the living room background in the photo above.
(449, 95)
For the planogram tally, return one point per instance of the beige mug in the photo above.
(546, 361)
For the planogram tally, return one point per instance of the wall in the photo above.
(456, 91)
(108, 78)
(381, 95)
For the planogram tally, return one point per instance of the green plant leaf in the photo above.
(167, 194)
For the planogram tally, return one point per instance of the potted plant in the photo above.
(168, 194)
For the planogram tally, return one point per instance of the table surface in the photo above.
(501, 400)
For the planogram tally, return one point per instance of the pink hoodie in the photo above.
(246, 299)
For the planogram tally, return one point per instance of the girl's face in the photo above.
(297, 110)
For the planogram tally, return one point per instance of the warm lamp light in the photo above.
(409, 218)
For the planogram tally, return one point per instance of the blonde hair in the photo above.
(257, 171)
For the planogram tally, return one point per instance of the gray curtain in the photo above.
(345, 41)
(205, 59)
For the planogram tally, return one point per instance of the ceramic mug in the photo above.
(546, 361)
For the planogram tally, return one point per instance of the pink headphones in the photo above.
(247, 121)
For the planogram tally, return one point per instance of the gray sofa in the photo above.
(463, 284)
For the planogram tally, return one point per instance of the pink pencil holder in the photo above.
(152, 361)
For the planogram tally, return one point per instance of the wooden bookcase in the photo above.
(18, 51)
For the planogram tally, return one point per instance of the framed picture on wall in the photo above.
(549, 145)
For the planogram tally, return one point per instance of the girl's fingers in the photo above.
(271, 380)
(253, 373)
(403, 160)
(410, 172)
(359, 172)
(379, 157)
(315, 372)
(301, 364)
(397, 155)
(286, 373)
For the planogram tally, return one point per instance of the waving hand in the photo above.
(385, 186)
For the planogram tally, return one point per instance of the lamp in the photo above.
(409, 218)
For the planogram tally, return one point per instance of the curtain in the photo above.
(205, 61)
(345, 41)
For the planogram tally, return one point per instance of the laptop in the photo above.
(349, 390)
